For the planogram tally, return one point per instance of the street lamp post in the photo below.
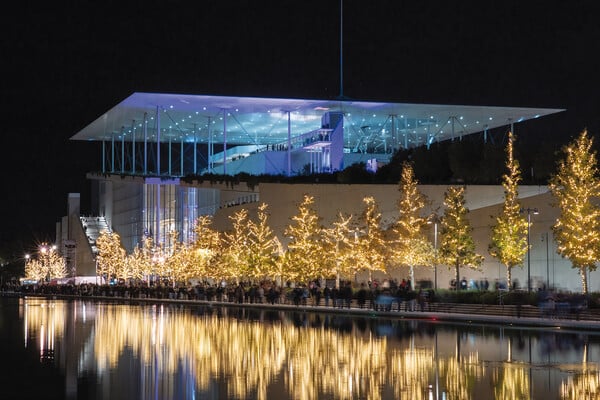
(529, 211)
(435, 220)
(545, 236)
(435, 238)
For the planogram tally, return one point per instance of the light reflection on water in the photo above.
(170, 351)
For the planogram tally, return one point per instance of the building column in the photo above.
(452, 120)
(181, 157)
(133, 147)
(122, 150)
(170, 140)
(157, 140)
(195, 160)
(211, 151)
(405, 133)
(224, 142)
(289, 146)
(393, 134)
(145, 144)
(485, 130)
(112, 153)
(103, 156)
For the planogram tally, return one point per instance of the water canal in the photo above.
(80, 349)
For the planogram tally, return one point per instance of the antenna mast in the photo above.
(341, 49)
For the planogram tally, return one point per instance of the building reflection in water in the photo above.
(174, 351)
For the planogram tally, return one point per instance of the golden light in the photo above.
(249, 352)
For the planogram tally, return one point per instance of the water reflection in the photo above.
(584, 385)
(173, 351)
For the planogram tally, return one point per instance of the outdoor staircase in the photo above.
(92, 227)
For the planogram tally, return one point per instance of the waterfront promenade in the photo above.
(508, 315)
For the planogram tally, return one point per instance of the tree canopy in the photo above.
(509, 233)
(457, 247)
(576, 188)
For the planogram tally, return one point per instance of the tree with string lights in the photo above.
(111, 255)
(338, 244)
(235, 256)
(179, 263)
(140, 260)
(576, 188)
(206, 249)
(509, 234)
(34, 270)
(47, 264)
(283, 270)
(457, 247)
(127, 271)
(57, 264)
(410, 246)
(371, 249)
(186, 271)
(305, 246)
(262, 246)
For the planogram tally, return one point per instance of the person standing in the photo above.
(361, 296)
(327, 295)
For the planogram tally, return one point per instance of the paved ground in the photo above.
(464, 313)
(564, 322)
(467, 313)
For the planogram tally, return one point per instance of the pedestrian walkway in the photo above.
(451, 312)
(511, 315)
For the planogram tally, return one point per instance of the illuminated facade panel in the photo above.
(136, 207)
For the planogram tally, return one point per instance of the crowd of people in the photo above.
(380, 296)
(388, 295)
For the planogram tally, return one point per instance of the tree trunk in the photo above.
(584, 282)
(457, 276)
(509, 277)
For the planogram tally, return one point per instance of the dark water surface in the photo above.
(58, 349)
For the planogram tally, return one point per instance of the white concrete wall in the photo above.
(483, 201)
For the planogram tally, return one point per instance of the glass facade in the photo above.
(169, 207)
(153, 207)
(136, 207)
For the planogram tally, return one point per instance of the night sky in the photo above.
(65, 65)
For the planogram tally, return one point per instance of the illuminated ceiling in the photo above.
(252, 120)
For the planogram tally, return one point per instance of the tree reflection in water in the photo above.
(175, 351)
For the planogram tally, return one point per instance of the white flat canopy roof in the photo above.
(254, 120)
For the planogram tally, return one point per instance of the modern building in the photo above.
(164, 156)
